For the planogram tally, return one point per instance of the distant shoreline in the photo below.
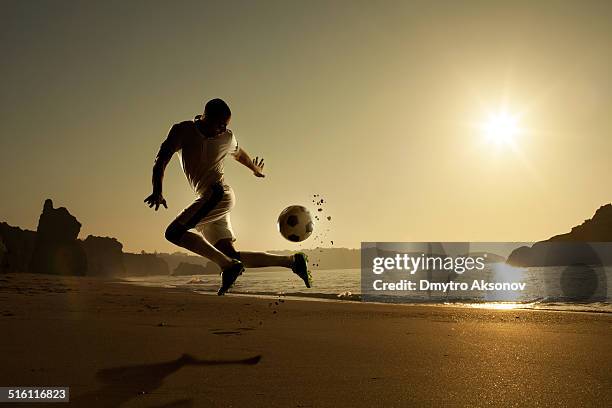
(356, 298)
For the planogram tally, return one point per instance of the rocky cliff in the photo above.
(104, 256)
(57, 250)
(589, 243)
(596, 229)
(18, 248)
(144, 264)
(186, 269)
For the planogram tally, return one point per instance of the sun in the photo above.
(501, 128)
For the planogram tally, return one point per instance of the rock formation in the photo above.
(3, 252)
(19, 246)
(549, 253)
(596, 229)
(175, 258)
(185, 268)
(589, 243)
(144, 264)
(57, 250)
(104, 256)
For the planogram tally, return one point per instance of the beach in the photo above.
(115, 344)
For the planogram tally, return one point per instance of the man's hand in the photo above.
(258, 165)
(155, 199)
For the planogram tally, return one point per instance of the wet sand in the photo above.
(124, 345)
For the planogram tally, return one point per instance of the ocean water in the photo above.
(549, 288)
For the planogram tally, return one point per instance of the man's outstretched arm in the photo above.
(256, 165)
(170, 146)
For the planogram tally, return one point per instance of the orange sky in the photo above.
(375, 107)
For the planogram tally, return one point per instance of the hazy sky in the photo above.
(374, 106)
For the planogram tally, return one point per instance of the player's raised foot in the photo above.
(229, 276)
(300, 268)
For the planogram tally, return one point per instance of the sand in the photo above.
(122, 345)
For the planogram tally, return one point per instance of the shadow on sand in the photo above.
(121, 384)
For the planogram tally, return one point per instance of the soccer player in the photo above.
(203, 144)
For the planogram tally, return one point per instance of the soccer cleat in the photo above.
(229, 276)
(300, 268)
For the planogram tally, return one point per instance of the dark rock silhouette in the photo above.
(185, 268)
(175, 258)
(586, 244)
(596, 229)
(549, 253)
(18, 248)
(104, 256)
(522, 256)
(57, 250)
(3, 252)
(144, 264)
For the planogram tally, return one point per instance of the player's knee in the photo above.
(175, 232)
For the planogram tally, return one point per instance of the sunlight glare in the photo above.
(501, 128)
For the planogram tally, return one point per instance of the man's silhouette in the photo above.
(203, 144)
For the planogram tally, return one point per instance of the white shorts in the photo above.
(210, 214)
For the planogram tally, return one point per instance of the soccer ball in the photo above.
(295, 223)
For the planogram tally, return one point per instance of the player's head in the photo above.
(217, 115)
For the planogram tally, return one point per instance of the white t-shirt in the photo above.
(201, 157)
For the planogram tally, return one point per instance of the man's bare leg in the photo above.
(254, 259)
(263, 259)
(196, 243)
(298, 263)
